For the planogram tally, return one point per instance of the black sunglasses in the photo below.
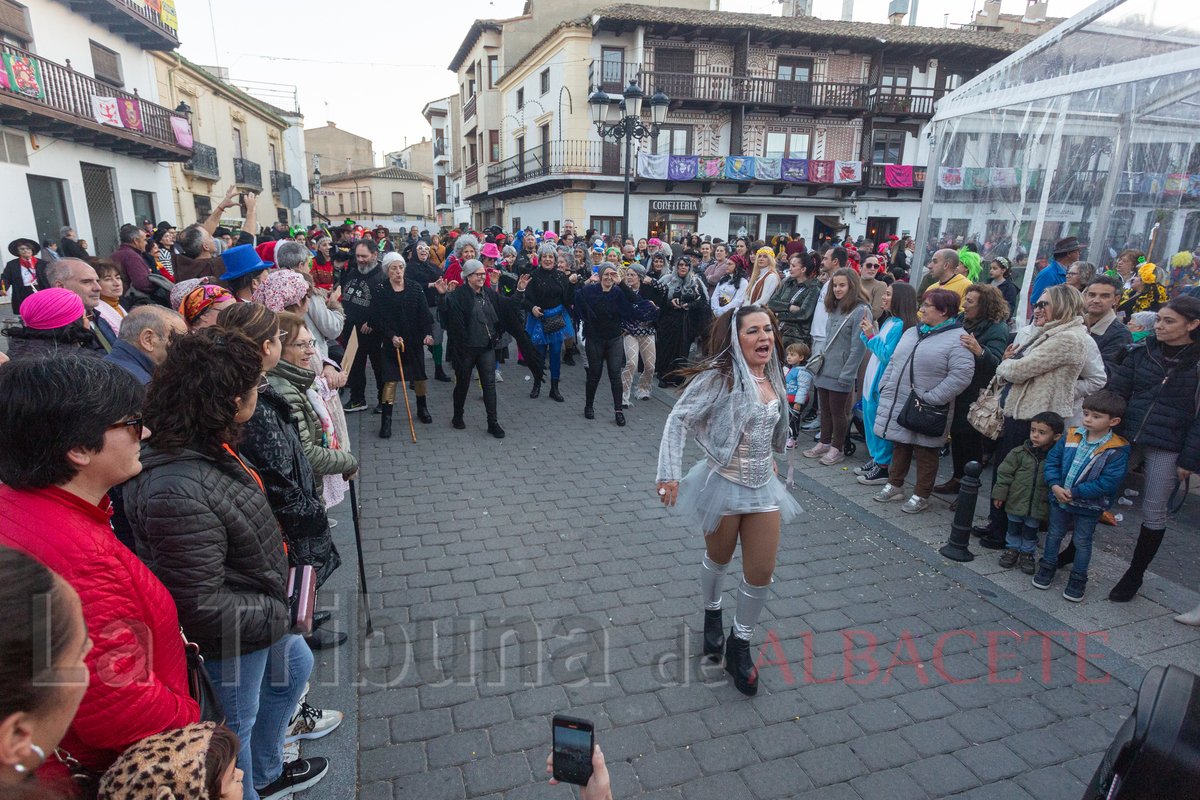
(135, 423)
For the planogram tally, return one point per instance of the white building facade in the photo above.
(85, 140)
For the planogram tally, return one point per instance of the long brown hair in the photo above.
(852, 299)
(718, 346)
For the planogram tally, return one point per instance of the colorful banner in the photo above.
(767, 169)
(794, 169)
(1002, 177)
(183, 132)
(898, 176)
(653, 167)
(105, 110)
(168, 15)
(950, 178)
(1177, 183)
(820, 171)
(131, 113)
(681, 168)
(976, 177)
(739, 168)
(1153, 182)
(24, 76)
(847, 172)
(710, 167)
(1193, 189)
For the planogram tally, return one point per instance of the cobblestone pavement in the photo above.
(515, 579)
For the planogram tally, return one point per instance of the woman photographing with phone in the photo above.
(733, 402)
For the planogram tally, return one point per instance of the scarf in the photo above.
(29, 273)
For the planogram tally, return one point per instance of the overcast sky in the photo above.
(371, 66)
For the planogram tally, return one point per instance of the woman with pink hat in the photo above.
(53, 320)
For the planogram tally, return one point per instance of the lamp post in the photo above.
(626, 125)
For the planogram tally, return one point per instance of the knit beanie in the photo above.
(281, 288)
(474, 265)
(166, 766)
(51, 308)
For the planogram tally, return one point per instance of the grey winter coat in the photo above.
(843, 352)
(941, 370)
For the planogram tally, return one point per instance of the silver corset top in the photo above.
(753, 464)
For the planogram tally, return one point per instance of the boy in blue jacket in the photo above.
(1084, 471)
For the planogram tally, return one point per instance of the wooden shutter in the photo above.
(12, 21)
(106, 65)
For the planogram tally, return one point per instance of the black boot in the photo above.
(555, 394)
(537, 388)
(1067, 556)
(714, 634)
(994, 541)
(439, 374)
(1147, 546)
(385, 422)
(589, 412)
(620, 419)
(740, 665)
(457, 420)
(569, 357)
(423, 411)
(495, 430)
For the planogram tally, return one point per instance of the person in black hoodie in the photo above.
(547, 295)
(1158, 380)
(357, 285)
(475, 318)
(429, 275)
(605, 307)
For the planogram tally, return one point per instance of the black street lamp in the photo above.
(627, 125)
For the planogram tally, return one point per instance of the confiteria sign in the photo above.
(691, 206)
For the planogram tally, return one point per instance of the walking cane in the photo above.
(404, 388)
(362, 569)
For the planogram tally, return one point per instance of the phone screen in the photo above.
(573, 745)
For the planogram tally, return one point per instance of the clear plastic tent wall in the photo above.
(1092, 130)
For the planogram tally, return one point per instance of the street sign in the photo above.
(291, 197)
(323, 192)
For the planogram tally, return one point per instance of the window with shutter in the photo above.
(107, 65)
(398, 203)
(12, 22)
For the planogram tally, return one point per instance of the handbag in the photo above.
(553, 324)
(817, 362)
(986, 414)
(201, 686)
(919, 416)
(302, 597)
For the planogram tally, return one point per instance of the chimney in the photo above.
(331, 124)
(847, 10)
(1036, 11)
(989, 17)
(896, 11)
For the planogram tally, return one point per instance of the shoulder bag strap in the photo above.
(892, 407)
(829, 341)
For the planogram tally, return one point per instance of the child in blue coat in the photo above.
(1084, 470)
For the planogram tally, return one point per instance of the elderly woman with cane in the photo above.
(402, 313)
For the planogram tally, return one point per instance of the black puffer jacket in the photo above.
(1161, 414)
(205, 529)
(272, 441)
(548, 288)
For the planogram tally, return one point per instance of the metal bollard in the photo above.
(964, 514)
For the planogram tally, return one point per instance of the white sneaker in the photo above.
(817, 450)
(311, 723)
(499, 377)
(791, 443)
(832, 457)
(889, 494)
(915, 505)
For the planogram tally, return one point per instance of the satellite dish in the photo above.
(290, 197)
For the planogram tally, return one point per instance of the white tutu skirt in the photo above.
(705, 496)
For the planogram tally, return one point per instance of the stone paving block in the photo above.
(893, 784)
(666, 768)
(389, 703)
(883, 750)
(933, 737)
(521, 735)
(678, 730)
(834, 764)
(942, 775)
(498, 774)
(879, 715)
(1006, 790)
(992, 761)
(686, 697)
(386, 763)
(421, 725)
(979, 725)
(728, 786)
(458, 748)
(482, 713)
(724, 720)
(373, 733)
(1039, 748)
(380, 790)
(725, 754)
(538, 700)
(926, 704)
(780, 778)
(779, 741)
(832, 727)
(442, 784)
(634, 709)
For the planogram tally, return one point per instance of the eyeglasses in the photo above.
(309, 345)
(135, 423)
(1042, 304)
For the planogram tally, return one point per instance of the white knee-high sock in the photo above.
(712, 582)
(751, 600)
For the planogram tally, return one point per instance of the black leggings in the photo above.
(612, 352)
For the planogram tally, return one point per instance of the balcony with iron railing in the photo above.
(877, 177)
(556, 158)
(279, 181)
(203, 163)
(469, 107)
(247, 174)
(439, 148)
(135, 21)
(441, 198)
(63, 109)
(471, 175)
(905, 101)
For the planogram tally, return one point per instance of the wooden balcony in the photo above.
(136, 22)
(65, 111)
(472, 175)
(905, 101)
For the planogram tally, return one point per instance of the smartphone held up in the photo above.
(574, 742)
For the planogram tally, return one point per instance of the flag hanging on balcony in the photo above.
(1193, 188)
(131, 113)
(767, 169)
(168, 14)
(1003, 177)
(183, 132)
(950, 178)
(106, 112)
(898, 176)
(710, 167)
(653, 167)
(24, 75)
(794, 169)
(847, 172)
(739, 168)
(820, 171)
(1177, 182)
(977, 177)
(681, 168)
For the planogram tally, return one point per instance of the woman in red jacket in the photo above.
(70, 430)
